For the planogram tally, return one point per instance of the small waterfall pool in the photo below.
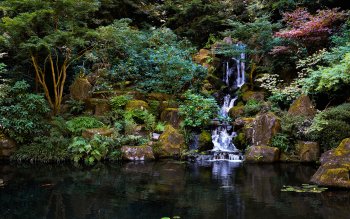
(222, 136)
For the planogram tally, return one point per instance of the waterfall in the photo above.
(234, 76)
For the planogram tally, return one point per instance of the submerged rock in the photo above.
(264, 127)
(335, 167)
(263, 154)
(302, 106)
(80, 89)
(133, 153)
(171, 142)
(308, 151)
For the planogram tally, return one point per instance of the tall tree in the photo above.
(50, 35)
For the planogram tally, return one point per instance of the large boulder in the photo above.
(205, 141)
(302, 106)
(264, 127)
(90, 133)
(335, 167)
(171, 142)
(171, 116)
(263, 154)
(136, 104)
(133, 153)
(80, 89)
(308, 151)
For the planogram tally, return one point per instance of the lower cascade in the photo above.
(223, 134)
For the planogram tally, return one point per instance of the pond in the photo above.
(164, 188)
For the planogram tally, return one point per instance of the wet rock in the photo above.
(7, 146)
(308, 151)
(236, 111)
(253, 95)
(264, 127)
(89, 133)
(171, 116)
(171, 142)
(134, 153)
(302, 107)
(335, 167)
(263, 154)
(80, 89)
(205, 142)
(136, 104)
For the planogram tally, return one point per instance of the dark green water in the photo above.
(167, 188)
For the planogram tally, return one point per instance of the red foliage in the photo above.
(307, 27)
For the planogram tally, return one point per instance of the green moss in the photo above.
(136, 104)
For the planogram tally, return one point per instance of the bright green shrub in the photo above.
(331, 126)
(79, 124)
(22, 114)
(252, 107)
(198, 110)
(118, 102)
(89, 151)
(281, 141)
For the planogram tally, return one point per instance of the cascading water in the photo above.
(222, 135)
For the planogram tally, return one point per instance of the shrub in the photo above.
(198, 110)
(252, 107)
(281, 141)
(79, 124)
(139, 116)
(75, 106)
(118, 102)
(331, 126)
(22, 114)
(160, 127)
(89, 151)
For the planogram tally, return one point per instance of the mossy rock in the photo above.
(136, 104)
(240, 141)
(99, 106)
(171, 116)
(308, 151)
(158, 96)
(335, 167)
(302, 106)
(205, 141)
(253, 95)
(171, 142)
(262, 154)
(80, 89)
(236, 112)
(265, 126)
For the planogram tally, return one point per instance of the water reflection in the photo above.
(167, 188)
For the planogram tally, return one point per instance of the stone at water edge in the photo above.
(302, 106)
(80, 89)
(264, 127)
(7, 146)
(134, 153)
(262, 154)
(335, 167)
(308, 151)
(171, 142)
